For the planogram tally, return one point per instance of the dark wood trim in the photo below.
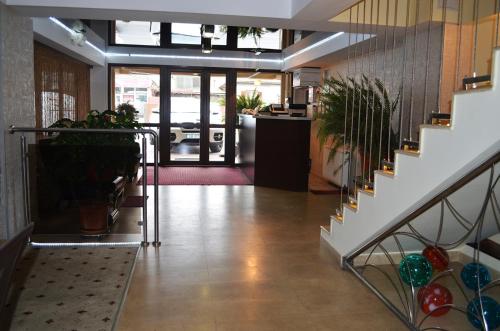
(165, 36)
(230, 131)
(165, 110)
(204, 117)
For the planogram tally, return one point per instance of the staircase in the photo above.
(446, 152)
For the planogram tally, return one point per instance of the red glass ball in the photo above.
(433, 296)
(437, 256)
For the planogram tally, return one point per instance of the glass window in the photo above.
(137, 33)
(140, 86)
(257, 89)
(217, 99)
(190, 34)
(259, 38)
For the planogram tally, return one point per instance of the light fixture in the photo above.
(258, 51)
(207, 30)
(206, 45)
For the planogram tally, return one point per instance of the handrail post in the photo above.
(24, 171)
(144, 191)
(156, 241)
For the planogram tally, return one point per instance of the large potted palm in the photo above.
(356, 116)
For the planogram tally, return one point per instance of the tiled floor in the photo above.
(246, 258)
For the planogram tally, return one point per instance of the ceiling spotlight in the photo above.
(207, 31)
(206, 45)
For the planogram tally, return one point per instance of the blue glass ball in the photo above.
(474, 273)
(491, 312)
(415, 269)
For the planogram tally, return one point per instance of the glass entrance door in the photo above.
(197, 117)
(185, 116)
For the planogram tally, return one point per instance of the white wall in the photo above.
(16, 107)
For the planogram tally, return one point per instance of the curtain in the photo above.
(62, 86)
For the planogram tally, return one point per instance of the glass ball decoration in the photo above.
(437, 256)
(491, 312)
(474, 274)
(415, 270)
(433, 296)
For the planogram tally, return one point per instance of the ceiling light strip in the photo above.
(85, 244)
(319, 43)
(194, 57)
(61, 24)
(213, 58)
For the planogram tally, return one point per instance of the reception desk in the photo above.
(274, 151)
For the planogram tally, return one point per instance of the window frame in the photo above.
(166, 40)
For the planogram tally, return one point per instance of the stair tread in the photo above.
(354, 209)
(325, 227)
(407, 152)
(337, 219)
(384, 173)
(435, 126)
(370, 193)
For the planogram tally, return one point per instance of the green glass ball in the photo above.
(415, 270)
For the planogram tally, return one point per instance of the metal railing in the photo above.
(25, 177)
(408, 315)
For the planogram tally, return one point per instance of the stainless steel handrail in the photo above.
(24, 166)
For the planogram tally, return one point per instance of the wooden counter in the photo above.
(274, 151)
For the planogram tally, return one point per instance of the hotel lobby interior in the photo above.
(266, 165)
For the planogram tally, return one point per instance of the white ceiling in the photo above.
(291, 14)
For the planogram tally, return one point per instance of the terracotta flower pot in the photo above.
(93, 217)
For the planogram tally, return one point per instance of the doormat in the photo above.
(197, 176)
(69, 288)
(133, 201)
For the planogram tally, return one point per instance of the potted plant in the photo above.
(249, 103)
(86, 165)
(357, 100)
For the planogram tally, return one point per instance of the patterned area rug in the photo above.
(197, 176)
(70, 288)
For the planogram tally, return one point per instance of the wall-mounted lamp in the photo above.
(207, 31)
(206, 45)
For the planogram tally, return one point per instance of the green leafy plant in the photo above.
(89, 162)
(256, 33)
(358, 109)
(249, 101)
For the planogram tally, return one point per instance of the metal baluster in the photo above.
(384, 80)
(351, 149)
(427, 60)
(441, 63)
(497, 11)
(359, 103)
(144, 191)
(401, 108)
(373, 96)
(393, 80)
(415, 36)
(345, 116)
(476, 23)
(156, 242)
(367, 108)
(25, 180)
(459, 45)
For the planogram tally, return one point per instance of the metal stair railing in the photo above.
(409, 314)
